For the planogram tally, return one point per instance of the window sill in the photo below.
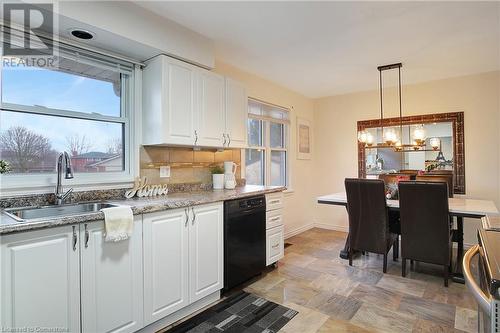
(288, 192)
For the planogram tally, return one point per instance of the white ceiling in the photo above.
(328, 48)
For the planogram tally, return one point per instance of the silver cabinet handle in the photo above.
(229, 140)
(75, 238)
(194, 216)
(224, 137)
(87, 236)
(195, 137)
(483, 300)
(276, 218)
(186, 211)
(275, 246)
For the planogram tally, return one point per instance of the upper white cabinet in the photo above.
(111, 280)
(236, 114)
(211, 119)
(170, 100)
(40, 279)
(190, 106)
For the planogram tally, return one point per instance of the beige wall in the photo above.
(300, 203)
(335, 135)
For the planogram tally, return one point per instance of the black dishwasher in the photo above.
(244, 239)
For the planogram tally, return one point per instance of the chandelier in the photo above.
(391, 137)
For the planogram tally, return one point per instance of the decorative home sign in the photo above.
(142, 189)
(303, 139)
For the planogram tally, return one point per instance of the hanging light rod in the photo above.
(389, 136)
(391, 66)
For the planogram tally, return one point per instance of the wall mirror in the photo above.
(443, 150)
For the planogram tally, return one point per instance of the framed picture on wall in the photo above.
(304, 139)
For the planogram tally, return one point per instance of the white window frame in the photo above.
(129, 113)
(266, 140)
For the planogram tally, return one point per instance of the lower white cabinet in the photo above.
(40, 279)
(183, 258)
(70, 279)
(275, 245)
(206, 251)
(111, 280)
(165, 263)
(61, 277)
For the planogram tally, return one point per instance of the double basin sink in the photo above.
(27, 214)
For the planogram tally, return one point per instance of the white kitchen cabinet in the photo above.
(191, 106)
(275, 245)
(236, 114)
(211, 117)
(206, 250)
(111, 280)
(275, 240)
(40, 279)
(166, 256)
(169, 102)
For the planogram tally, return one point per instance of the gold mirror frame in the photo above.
(456, 118)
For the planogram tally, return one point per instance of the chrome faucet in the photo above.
(63, 158)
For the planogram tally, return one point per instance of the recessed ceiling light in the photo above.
(82, 34)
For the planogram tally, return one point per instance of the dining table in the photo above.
(459, 207)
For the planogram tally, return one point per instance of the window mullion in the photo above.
(60, 113)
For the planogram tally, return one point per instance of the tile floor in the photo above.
(332, 297)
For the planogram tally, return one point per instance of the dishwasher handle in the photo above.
(481, 298)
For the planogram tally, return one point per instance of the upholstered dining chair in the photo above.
(368, 219)
(439, 178)
(425, 224)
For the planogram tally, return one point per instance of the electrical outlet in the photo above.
(165, 171)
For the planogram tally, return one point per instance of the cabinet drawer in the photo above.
(274, 218)
(275, 245)
(274, 201)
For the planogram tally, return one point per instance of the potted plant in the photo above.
(217, 177)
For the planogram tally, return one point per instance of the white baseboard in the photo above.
(327, 226)
(298, 230)
(306, 227)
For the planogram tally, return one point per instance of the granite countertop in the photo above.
(140, 206)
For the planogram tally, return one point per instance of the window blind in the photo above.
(265, 111)
(68, 51)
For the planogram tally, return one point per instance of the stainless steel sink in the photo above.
(32, 213)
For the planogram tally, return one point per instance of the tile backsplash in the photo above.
(186, 165)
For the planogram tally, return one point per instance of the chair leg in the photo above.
(350, 256)
(395, 250)
(403, 267)
(446, 275)
(385, 263)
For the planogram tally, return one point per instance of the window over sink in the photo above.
(266, 158)
(81, 105)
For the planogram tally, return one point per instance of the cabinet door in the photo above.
(40, 279)
(165, 263)
(275, 244)
(236, 113)
(111, 280)
(180, 101)
(211, 116)
(206, 251)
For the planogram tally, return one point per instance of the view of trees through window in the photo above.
(45, 112)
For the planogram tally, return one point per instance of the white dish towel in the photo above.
(118, 223)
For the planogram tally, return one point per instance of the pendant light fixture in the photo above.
(391, 137)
